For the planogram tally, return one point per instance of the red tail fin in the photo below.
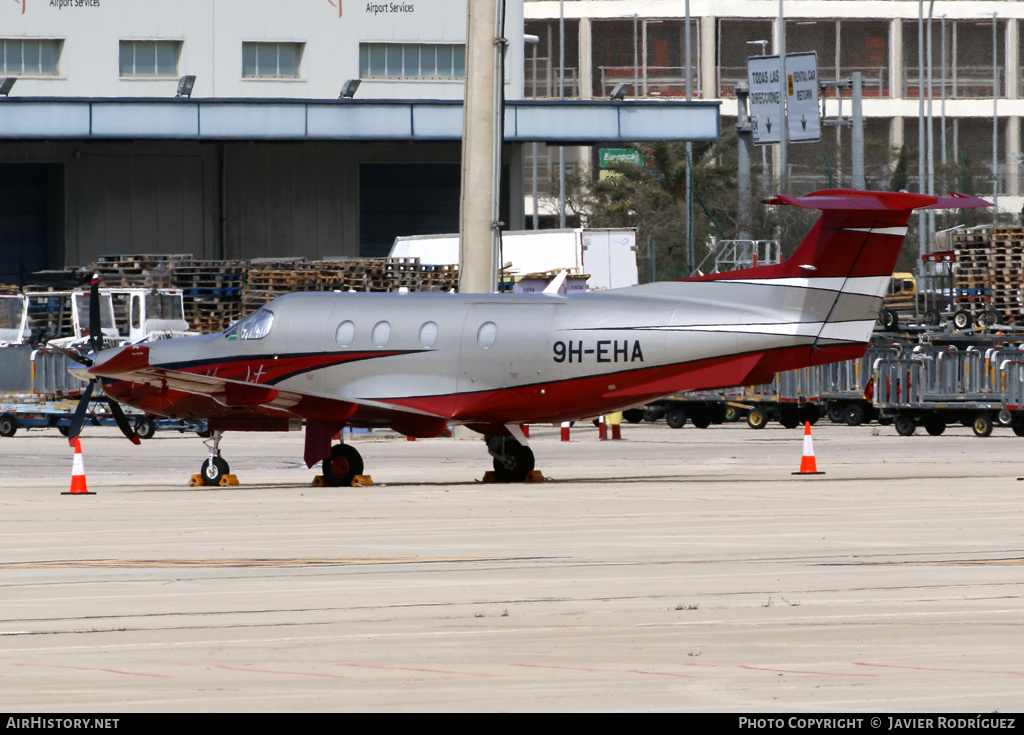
(858, 235)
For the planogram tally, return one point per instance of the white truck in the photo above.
(607, 256)
(36, 390)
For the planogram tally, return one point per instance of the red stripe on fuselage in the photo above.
(570, 399)
(537, 403)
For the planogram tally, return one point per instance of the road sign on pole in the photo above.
(763, 78)
(764, 84)
(802, 97)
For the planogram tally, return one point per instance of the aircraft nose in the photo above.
(80, 371)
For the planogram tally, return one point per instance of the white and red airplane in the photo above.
(419, 362)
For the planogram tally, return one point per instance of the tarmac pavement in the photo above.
(676, 570)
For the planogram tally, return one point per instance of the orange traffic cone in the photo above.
(807, 464)
(565, 431)
(78, 486)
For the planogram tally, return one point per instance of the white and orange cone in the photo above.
(565, 431)
(78, 485)
(807, 464)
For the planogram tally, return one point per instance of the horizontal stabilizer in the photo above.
(852, 200)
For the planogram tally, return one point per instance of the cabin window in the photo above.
(381, 334)
(486, 335)
(255, 326)
(345, 334)
(428, 334)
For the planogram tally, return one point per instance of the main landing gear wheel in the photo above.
(342, 466)
(213, 470)
(512, 461)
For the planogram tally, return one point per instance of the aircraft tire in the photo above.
(342, 466)
(8, 425)
(523, 463)
(212, 472)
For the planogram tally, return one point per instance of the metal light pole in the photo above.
(921, 217)
(784, 131)
(995, 114)
(561, 96)
(689, 158)
(535, 42)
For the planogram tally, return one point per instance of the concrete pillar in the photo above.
(586, 70)
(708, 76)
(1013, 167)
(896, 133)
(896, 60)
(476, 253)
(1012, 59)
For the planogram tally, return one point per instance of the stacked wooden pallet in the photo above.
(219, 292)
(439, 277)
(990, 272)
(268, 278)
(212, 291)
(147, 271)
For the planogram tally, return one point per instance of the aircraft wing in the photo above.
(131, 364)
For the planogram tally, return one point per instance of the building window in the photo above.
(649, 54)
(541, 72)
(19, 56)
(271, 60)
(969, 49)
(412, 61)
(149, 58)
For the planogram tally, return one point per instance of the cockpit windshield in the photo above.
(255, 326)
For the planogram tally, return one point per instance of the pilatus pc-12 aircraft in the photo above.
(419, 362)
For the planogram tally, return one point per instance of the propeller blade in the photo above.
(72, 355)
(79, 417)
(95, 321)
(122, 421)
